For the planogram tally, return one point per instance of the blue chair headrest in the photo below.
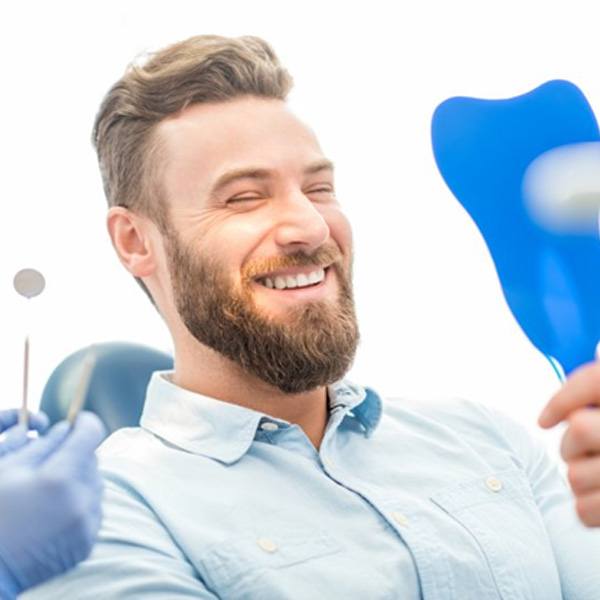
(117, 387)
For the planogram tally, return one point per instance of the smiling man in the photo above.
(251, 266)
(257, 470)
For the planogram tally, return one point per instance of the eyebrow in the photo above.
(257, 173)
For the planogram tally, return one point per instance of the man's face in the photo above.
(258, 250)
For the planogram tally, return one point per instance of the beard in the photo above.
(312, 345)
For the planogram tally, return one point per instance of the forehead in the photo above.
(207, 139)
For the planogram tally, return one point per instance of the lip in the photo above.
(314, 292)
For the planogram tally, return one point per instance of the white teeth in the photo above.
(302, 279)
(316, 276)
(281, 282)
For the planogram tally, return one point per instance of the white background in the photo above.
(368, 76)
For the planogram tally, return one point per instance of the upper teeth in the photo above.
(291, 281)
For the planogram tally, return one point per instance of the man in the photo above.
(50, 493)
(258, 471)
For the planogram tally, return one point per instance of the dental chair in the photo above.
(117, 387)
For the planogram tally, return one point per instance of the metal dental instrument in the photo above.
(28, 283)
(83, 385)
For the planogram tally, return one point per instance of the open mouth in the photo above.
(305, 278)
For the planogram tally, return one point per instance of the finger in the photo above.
(12, 439)
(9, 418)
(16, 437)
(39, 449)
(85, 436)
(584, 475)
(39, 422)
(581, 389)
(588, 509)
(582, 436)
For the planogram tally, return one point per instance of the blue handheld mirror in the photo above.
(550, 279)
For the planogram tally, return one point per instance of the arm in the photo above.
(135, 557)
(576, 547)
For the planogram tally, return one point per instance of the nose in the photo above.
(300, 224)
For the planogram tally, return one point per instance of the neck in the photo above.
(201, 370)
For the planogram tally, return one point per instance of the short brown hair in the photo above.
(204, 68)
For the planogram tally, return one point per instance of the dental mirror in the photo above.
(27, 283)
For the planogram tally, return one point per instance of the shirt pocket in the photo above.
(270, 564)
(499, 512)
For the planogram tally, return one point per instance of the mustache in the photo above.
(321, 257)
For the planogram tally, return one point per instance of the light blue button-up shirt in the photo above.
(407, 500)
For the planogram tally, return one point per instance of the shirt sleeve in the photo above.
(135, 557)
(576, 547)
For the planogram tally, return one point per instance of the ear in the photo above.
(131, 237)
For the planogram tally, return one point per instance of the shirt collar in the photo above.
(362, 402)
(203, 425)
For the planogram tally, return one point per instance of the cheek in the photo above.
(230, 235)
(340, 231)
(232, 244)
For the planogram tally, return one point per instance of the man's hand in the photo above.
(578, 402)
(50, 494)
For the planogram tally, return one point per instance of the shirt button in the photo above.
(400, 519)
(269, 426)
(267, 545)
(493, 484)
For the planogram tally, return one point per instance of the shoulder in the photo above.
(473, 421)
(130, 442)
(458, 413)
(480, 426)
(129, 455)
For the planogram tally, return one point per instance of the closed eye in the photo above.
(243, 199)
(321, 194)
(321, 190)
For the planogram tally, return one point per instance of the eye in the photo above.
(242, 199)
(322, 190)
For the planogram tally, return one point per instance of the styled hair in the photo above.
(201, 69)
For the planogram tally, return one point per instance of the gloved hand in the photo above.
(50, 495)
(13, 436)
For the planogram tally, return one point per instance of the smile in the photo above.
(302, 279)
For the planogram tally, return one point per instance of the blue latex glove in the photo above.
(50, 495)
(13, 436)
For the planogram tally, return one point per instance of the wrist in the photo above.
(9, 586)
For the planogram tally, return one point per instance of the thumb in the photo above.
(86, 435)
